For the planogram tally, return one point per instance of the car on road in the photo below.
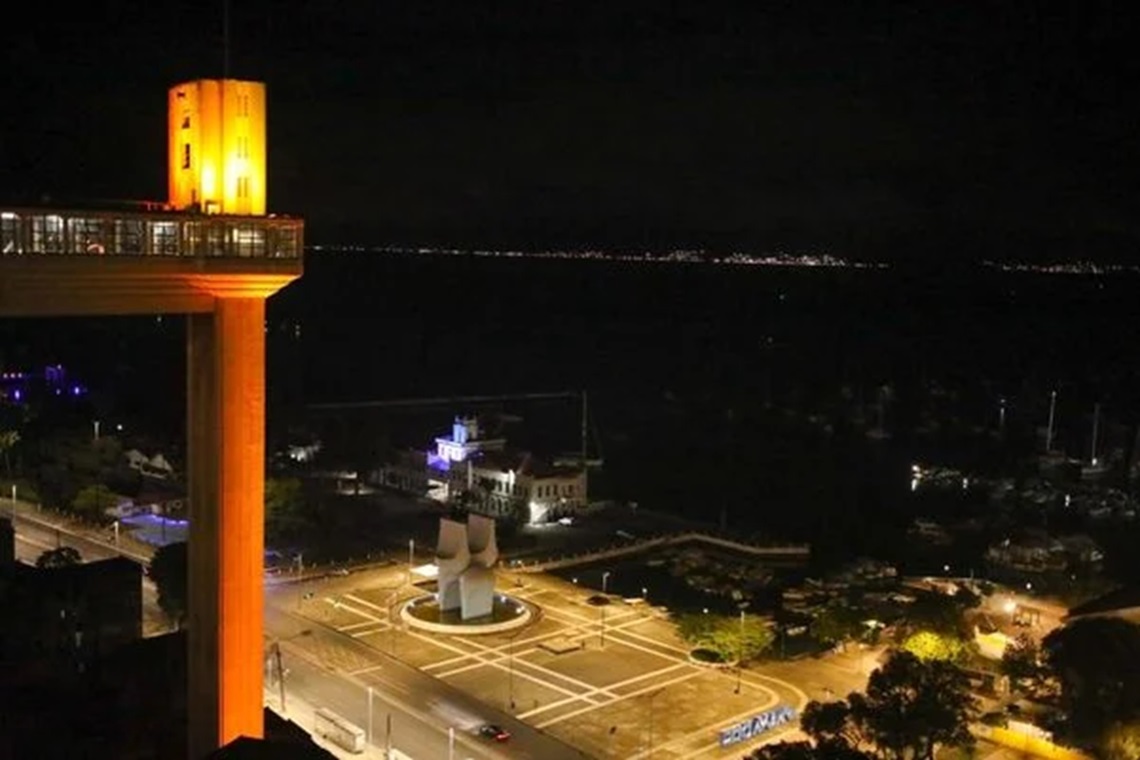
(491, 731)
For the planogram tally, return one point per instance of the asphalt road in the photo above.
(35, 535)
(423, 707)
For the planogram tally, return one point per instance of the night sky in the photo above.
(581, 123)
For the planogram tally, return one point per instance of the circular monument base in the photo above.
(423, 613)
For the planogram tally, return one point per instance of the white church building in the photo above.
(488, 477)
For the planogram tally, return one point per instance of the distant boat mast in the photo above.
(1095, 432)
(1052, 413)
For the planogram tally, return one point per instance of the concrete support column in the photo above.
(226, 424)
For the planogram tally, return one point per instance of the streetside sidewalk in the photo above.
(100, 534)
(304, 715)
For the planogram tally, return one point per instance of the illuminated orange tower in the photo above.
(217, 146)
(213, 255)
(217, 155)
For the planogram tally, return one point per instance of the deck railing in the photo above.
(25, 231)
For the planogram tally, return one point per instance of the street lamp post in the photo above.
(740, 649)
(605, 603)
(511, 668)
(393, 600)
(95, 424)
(450, 744)
(280, 675)
(411, 558)
(370, 715)
(649, 749)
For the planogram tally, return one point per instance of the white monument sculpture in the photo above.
(465, 555)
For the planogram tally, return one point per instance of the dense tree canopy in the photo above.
(169, 569)
(837, 623)
(286, 515)
(911, 706)
(1122, 741)
(1097, 661)
(807, 751)
(64, 556)
(927, 645)
(92, 502)
(909, 709)
(940, 613)
(725, 634)
(1022, 658)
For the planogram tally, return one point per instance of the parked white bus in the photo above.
(339, 731)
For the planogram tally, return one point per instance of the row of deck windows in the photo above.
(24, 233)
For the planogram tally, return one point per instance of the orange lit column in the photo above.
(226, 418)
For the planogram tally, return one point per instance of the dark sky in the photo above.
(609, 123)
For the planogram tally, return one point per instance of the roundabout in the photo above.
(507, 614)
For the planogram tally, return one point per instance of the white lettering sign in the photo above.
(753, 727)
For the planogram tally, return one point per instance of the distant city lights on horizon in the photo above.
(679, 256)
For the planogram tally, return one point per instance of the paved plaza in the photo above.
(634, 696)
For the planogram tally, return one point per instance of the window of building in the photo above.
(248, 240)
(186, 122)
(185, 155)
(164, 238)
(10, 233)
(86, 235)
(130, 236)
(243, 187)
(47, 233)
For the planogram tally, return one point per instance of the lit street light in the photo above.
(393, 600)
(651, 697)
(411, 558)
(511, 667)
(740, 649)
(369, 715)
(605, 580)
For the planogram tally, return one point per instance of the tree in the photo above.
(169, 569)
(806, 751)
(1021, 659)
(92, 502)
(939, 613)
(829, 722)
(1122, 742)
(837, 623)
(285, 514)
(927, 645)
(911, 707)
(64, 556)
(1097, 661)
(8, 441)
(725, 635)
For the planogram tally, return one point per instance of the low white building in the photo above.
(153, 467)
(485, 476)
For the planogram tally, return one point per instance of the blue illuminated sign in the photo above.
(756, 725)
